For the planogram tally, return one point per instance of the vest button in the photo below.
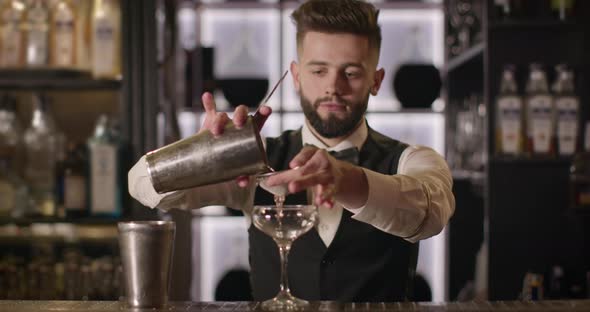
(327, 262)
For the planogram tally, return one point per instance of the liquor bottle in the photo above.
(105, 187)
(562, 9)
(7, 185)
(71, 182)
(43, 143)
(11, 34)
(509, 115)
(540, 114)
(502, 9)
(13, 191)
(532, 289)
(106, 39)
(37, 25)
(83, 13)
(579, 182)
(63, 35)
(557, 288)
(10, 128)
(567, 105)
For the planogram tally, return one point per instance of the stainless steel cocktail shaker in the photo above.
(206, 159)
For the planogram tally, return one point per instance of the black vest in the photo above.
(362, 264)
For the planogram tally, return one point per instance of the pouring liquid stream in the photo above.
(279, 193)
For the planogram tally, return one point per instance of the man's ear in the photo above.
(377, 80)
(295, 75)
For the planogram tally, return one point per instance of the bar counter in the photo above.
(108, 306)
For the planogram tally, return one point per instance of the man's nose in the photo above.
(335, 84)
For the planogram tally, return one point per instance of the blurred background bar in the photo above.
(498, 87)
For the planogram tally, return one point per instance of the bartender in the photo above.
(376, 196)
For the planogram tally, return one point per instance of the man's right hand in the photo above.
(215, 121)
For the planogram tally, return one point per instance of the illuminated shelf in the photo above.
(49, 79)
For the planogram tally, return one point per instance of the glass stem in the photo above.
(284, 251)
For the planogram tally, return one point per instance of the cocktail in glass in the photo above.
(285, 224)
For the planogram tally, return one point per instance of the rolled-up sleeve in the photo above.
(417, 202)
(226, 193)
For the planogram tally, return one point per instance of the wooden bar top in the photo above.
(108, 306)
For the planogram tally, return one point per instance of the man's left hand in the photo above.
(331, 179)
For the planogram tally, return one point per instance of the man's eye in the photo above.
(317, 71)
(352, 74)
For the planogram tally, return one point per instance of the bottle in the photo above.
(83, 12)
(42, 147)
(105, 187)
(579, 182)
(557, 288)
(63, 35)
(37, 25)
(532, 289)
(11, 34)
(13, 191)
(502, 9)
(71, 174)
(106, 39)
(10, 129)
(540, 114)
(47, 280)
(567, 105)
(8, 185)
(562, 9)
(509, 112)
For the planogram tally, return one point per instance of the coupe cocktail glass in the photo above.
(285, 224)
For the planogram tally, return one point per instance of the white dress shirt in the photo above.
(416, 203)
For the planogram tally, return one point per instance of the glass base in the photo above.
(284, 301)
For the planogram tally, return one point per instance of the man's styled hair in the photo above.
(339, 16)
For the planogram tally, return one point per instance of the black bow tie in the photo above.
(350, 155)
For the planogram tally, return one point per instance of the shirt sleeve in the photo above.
(226, 193)
(416, 203)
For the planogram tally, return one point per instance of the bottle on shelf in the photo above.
(11, 34)
(10, 130)
(76, 277)
(567, 105)
(509, 115)
(106, 39)
(540, 114)
(47, 280)
(71, 174)
(13, 277)
(63, 34)
(502, 9)
(106, 183)
(13, 190)
(562, 9)
(556, 284)
(43, 144)
(37, 30)
(83, 13)
(579, 182)
(532, 287)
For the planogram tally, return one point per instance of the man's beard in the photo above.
(334, 127)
